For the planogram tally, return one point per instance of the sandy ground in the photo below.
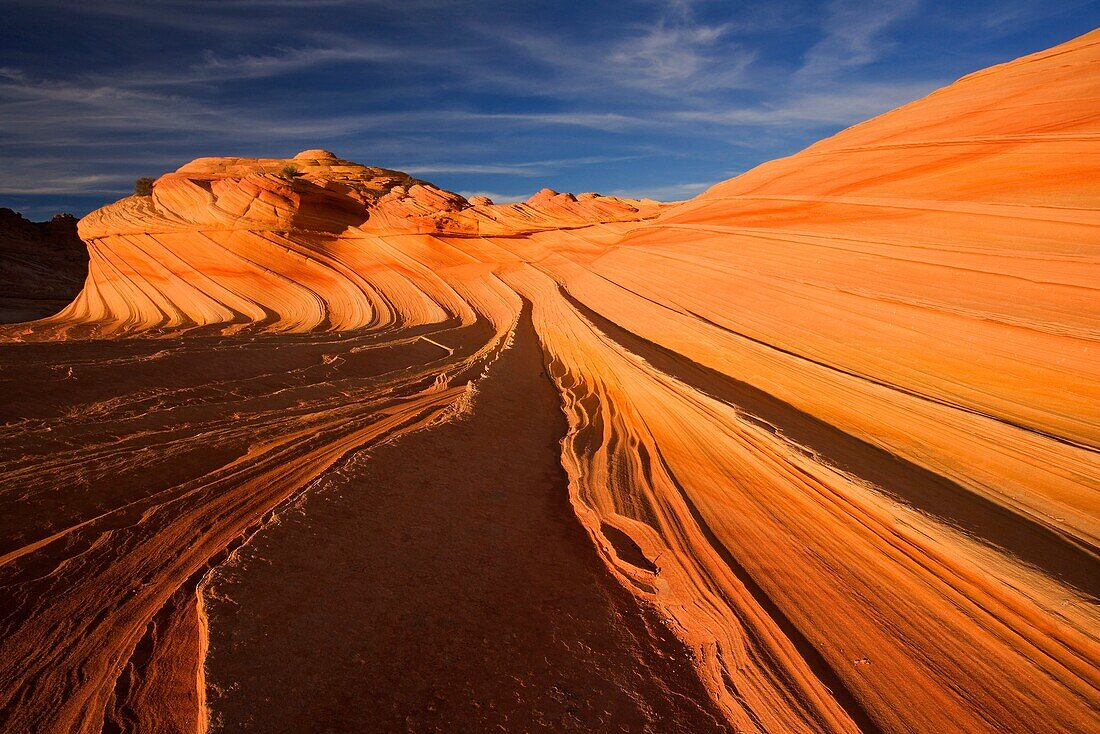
(441, 583)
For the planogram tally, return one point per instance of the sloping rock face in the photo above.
(836, 419)
(42, 266)
(926, 283)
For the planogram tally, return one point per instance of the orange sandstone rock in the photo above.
(836, 418)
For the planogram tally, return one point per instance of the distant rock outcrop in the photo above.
(283, 244)
(42, 265)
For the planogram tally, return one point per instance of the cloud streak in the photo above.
(644, 97)
(854, 35)
(842, 106)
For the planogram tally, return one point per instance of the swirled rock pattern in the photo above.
(836, 421)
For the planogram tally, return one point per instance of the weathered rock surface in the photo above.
(42, 266)
(837, 420)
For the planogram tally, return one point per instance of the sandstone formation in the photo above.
(42, 266)
(282, 245)
(836, 421)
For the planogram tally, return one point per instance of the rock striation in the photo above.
(42, 266)
(836, 420)
(277, 243)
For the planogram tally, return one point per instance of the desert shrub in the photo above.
(143, 186)
(289, 171)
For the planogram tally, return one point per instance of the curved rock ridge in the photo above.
(836, 419)
(272, 243)
(926, 284)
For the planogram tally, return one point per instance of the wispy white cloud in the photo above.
(36, 109)
(501, 170)
(595, 120)
(289, 60)
(138, 123)
(839, 105)
(42, 113)
(437, 90)
(671, 56)
(44, 182)
(854, 35)
(664, 192)
(677, 54)
(524, 168)
(178, 16)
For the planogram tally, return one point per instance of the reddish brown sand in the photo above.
(835, 423)
(425, 595)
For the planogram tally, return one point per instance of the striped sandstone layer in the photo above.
(836, 420)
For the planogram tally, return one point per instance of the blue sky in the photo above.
(640, 98)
